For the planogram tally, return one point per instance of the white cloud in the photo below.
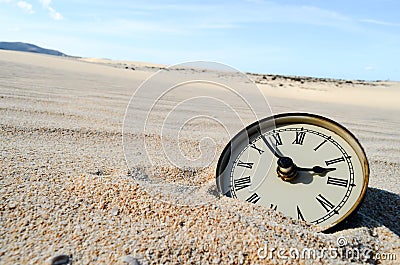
(124, 26)
(45, 2)
(379, 22)
(14, 29)
(26, 7)
(53, 13)
(220, 16)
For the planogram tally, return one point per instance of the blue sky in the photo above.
(340, 39)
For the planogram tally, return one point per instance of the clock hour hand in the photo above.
(316, 169)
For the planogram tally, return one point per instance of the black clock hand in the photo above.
(316, 169)
(274, 150)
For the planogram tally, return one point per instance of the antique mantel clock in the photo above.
(303, 165)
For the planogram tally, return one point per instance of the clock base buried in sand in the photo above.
(303, 165)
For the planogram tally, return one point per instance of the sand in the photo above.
(67, 190)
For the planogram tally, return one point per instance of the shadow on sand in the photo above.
(379, 208)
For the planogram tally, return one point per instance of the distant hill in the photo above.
(27, 47)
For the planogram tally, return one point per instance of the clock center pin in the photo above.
(286, 169)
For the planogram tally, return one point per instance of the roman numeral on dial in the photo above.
(273, 206)
(245, 164)
(321, 144)
(260, 151)
(299, 214)
(242, 183)
(337, 182)
(334, 161)
(253, 198)
(299, 138)
(278, 140)
(325, 203)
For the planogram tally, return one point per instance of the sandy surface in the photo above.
(66, 188)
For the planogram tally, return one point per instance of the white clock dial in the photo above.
(323, 182)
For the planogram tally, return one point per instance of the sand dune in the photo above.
(66, 188)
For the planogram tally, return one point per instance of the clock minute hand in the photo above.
(274, 150)
(316, 169)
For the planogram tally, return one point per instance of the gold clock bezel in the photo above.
(302, 118)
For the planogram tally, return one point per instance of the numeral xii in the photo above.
(299, 138)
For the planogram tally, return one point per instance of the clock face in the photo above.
(305, 166)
